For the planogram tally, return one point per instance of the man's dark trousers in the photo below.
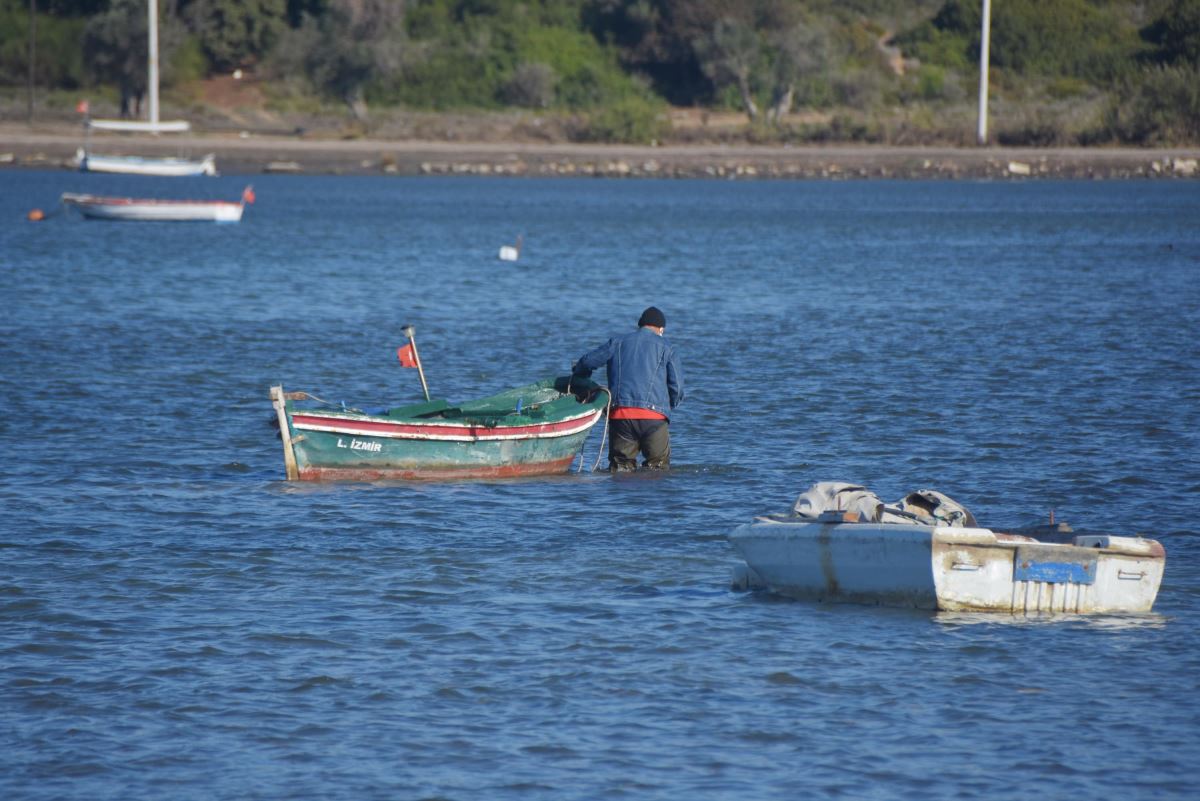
(627, 437)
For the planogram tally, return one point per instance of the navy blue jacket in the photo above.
(642, 370)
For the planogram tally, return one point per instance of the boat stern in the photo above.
(279, 400)
(978, 570)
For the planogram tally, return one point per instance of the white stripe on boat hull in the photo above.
(484, 435)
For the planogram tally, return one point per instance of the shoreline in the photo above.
(43, 147)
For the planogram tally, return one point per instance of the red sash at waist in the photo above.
(634, 413)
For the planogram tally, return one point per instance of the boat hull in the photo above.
(129, 209)
(348, 446)
(135, 165)
(340, 454)
(951, 569)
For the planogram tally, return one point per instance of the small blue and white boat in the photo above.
(841, 545)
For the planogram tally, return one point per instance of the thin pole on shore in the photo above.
(152, 14)
(985, 38)
(32, 53)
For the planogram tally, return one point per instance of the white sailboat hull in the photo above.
(146, 165)
(118, 208)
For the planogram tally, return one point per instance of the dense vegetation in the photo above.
(1063, 71)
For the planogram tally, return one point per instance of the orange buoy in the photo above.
(36, 214)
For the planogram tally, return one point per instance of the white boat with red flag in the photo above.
(100, 207)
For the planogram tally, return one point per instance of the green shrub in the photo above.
(1159, 106)
(188, 62)
(58, 57)
(858, 89)
(931, 82)
(531, 86)
(931, 45)
(1037, 131)
(448, 78)
(483, 60)
(817, 91)
(842, 128)
(588, 74)
(1034, 37)
(633, 120)
(1066, 87)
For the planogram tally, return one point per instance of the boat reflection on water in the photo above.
(1142, 621)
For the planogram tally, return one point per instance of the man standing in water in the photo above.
(646, 383)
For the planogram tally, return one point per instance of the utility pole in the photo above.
(985, 37)
(32, 53)
(152, 12)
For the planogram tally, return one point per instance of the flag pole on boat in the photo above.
(410, 358)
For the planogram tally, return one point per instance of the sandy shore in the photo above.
(24, 146)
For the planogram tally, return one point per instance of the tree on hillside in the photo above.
(796, 52)
(297, 9)
(730, 54)
(763, 48)
(67, 8)
(115, 51)
(115, 48)
(352, 44)
(234, 32)
(1177, 33)
(656, 38)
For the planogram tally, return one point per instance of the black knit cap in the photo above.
(652, 316)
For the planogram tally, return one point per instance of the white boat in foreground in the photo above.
(125, 208)
(145, 165)
(886, 555)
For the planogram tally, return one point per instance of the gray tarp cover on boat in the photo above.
(925, 506)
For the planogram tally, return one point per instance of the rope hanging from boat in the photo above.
(604, 436)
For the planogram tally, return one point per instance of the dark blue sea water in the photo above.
(177, 622)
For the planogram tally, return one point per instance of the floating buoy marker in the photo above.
(36, 215)
(510, 253)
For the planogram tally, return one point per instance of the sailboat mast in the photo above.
(152, 10)
(152, 125)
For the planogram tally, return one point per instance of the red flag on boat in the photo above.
(248, 195)
(82, 107)
(407, 355)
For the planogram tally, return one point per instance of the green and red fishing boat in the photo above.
(536, 429)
